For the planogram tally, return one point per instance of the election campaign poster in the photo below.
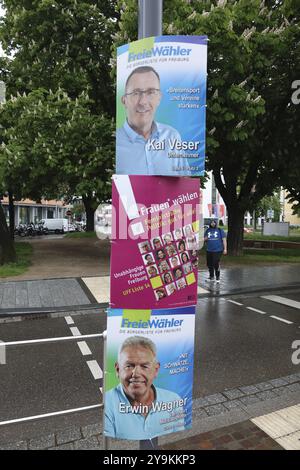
(149, 379)
(155, 241)
(161, 106)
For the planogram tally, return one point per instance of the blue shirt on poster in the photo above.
(136, 155)
(125, 423)
(214, 239)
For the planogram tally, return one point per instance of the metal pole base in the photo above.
(149, 444)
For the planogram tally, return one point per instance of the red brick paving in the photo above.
(241, 436)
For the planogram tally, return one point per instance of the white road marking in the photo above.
(234, 302)
(95, 369)
(69, 320)
(282, 300)
(47, 415)
(281, 319)
(283, 426)
(85, 350)
(256, 310)
(52, 340)
(75, 331)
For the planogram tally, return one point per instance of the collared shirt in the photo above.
(133, 425)
(136, 155)
(214, 239)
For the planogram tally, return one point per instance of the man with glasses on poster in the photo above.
(144, 146)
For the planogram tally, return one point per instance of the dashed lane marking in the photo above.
(85, 350)
(69, 320)
(75, 331)
(265, 313)
(234, 302)
(281, 319)
(282, 300)
(256, 310)
(95, 369)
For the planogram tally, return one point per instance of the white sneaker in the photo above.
(218, 281)
(211, 279)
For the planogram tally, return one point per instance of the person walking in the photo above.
(216, 245)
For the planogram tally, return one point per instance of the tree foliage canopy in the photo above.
(62, 43)
(58, 119)
(57, 147)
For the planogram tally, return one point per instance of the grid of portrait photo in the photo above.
(171, 260)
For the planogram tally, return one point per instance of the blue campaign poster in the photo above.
(161, 106)
(149, 372)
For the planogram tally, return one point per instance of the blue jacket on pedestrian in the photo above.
(214, 241)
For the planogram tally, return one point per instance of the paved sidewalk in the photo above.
(246, 279)
(41, 294)
(87, 291)
(241, 436)
(240, 418)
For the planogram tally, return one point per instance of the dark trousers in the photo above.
(213, 263)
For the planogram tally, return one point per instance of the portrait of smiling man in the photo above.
(143, 145)
(136, 409)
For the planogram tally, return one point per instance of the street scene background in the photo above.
(57, 128)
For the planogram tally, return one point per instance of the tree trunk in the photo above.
(254, 224)
(11, 209)
(7, 248)
(90, 211)
(235, 230)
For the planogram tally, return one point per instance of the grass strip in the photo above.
(24, 254)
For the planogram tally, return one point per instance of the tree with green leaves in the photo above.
(57, 147)
(253, 57)
(60, 56)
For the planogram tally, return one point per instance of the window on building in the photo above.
(38, 214)
(6, 213)
(50, 213)
(24, 215)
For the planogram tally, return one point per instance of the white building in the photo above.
(27, 211)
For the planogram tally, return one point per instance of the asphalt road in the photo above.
(235, 346)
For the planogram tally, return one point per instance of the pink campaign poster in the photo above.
(154, 261)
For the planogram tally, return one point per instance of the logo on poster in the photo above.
(158, 52)
(154, 323)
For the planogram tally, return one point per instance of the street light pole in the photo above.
(149, 24)
(150, 18)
